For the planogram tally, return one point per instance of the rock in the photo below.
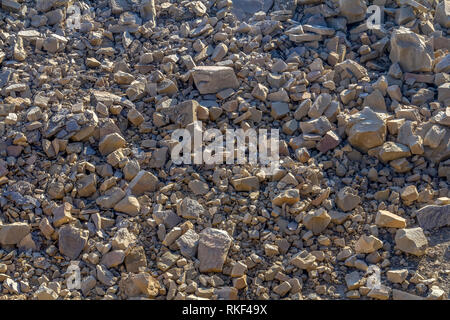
(387, 219)
(135, 259)
(442, 13)
(212, 249)
(392, 151)
(13, 233)
(159, 158)
(368, 244)
(354, 280)
(320, 105)
(129, 205)
(402, 295)
(44, 293)
(328, 142)
(353, 10)
(190, 209)
(212, 79)
(411, 241)
(113, 258)
(397, 276)
(304, 260)
(366, 130)
(123, 239)
(111, 198)
(146, 284)
(381, 293)
(411, 51)
(87, 186)
(433, 216)
(87, 284)
(260, 92)
(198, 187)
(279, 110)
(188, 243)
(110, 143)
(317, 221)
(290, 196)
(409, 194)
(72, 241)
(247, 8)
(352, 68)
(347, 199)
(144, 181)
(246, 184)
(444, 92)
(62, 214)
(436, 294)
(434, 136)
(11, 5)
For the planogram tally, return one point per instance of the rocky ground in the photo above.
(87, 179)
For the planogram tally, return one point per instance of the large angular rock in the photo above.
(110, 143)
(247, 8)
(347, 199)
(213, 249)
(144, 181)
(87, 185)
(387, 219)
(442, 13)
(246, 184)
(433, 216)
(290, 196)
(411, 51)
(411, 241)
(13, 233)
(190, 209)
(188, 243)
(212, 79)
(72, 241)
(391, 151)
(129, 205)
(368, 244)
(317, 221)
(366, 129)
(353, 10)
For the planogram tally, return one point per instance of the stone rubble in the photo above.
(88, 179)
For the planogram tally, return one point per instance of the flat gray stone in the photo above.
(433, 216)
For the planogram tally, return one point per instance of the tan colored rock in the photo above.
(368, 244)
(387, 219)
(317, 221)
(129, 205)
(366, 130)
(411, 51)
(87, 185)
(397, 276)
(190, 209)
(409, 194)
(110, 143)
(411, 241)
(246, 184)
(353, 10)
(13, 233)
(393, 151)
(144, 181)
(212, 79)
(62, 214)
(290, 196)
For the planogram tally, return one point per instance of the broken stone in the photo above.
(212, 249)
